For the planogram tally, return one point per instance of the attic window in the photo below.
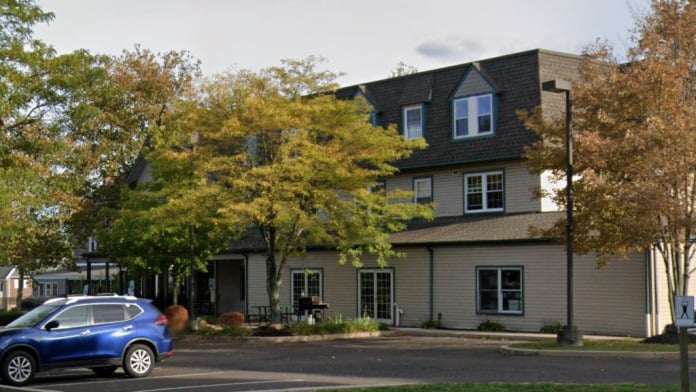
(473, 116)
(413, 121)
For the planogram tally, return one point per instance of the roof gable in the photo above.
(473, 83)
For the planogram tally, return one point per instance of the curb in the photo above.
(507, 350)
(193, 339)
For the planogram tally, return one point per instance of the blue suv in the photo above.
(101, 333)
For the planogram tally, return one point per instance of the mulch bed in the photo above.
(270, 330)
(670, 336)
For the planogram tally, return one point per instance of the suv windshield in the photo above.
(34, 317)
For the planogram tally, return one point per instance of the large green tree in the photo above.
(136, 228)
(36, 192)
(279, 158)
(635, 139)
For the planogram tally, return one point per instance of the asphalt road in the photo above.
(374, 361)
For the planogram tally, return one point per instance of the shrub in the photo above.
(232, 319)
(178, 317)
(490, 326)
(551, 328)
(339, 325)
(9, 316)
(430, 324)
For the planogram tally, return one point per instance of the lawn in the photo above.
(542, 387)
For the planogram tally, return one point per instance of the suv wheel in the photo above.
(18, 368)
(139, 361)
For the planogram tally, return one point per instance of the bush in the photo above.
(490, 326)
(430, 324)
(9, 316)
(178, 317)
(338, 325)
(232, 319)
(551, 328)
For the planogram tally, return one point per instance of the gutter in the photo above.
(431, 305)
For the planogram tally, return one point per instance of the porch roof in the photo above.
(451, 230)
(500, 228)
(63, 274)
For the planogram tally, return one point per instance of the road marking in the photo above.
(229, 384)
(24, 389)
(130, 379)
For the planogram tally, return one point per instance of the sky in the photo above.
(364, 40)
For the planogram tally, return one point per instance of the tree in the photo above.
(36, 190)
(280, 158)
(635, 144)
(403, 69)
(134, 227)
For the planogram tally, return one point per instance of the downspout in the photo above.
(246, 283)
(432, 282)
(648, 295)
(656, 307)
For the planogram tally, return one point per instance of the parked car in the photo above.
(101, 333)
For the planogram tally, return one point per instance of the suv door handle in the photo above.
(127, 327)
(86, 332)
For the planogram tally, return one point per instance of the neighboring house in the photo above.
(9, 287)
(478, 260)
(87, 274)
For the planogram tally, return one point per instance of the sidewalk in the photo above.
(502, 336)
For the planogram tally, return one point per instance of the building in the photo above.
(478, 260)
(9, 287)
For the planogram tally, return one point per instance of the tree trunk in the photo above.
(273, 280)
(175, 289)
(20, 291)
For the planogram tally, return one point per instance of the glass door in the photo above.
(376, 297)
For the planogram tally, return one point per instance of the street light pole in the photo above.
(569, 335)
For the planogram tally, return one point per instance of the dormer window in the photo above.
(473, 116)
(413, 121)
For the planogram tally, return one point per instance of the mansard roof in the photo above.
(514, 80)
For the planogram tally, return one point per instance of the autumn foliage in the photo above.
(178, 317)
(634, 125)
(231, 319)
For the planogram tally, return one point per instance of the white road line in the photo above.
(229, 384)
(24, 389)
(129, 379)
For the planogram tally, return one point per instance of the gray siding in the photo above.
(448, 187)
(473, 84)
(610, 300)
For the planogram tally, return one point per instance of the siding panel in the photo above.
(448, 187)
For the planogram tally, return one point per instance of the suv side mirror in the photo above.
(51, 325)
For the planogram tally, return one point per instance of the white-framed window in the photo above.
(413, 121)
(423, 190)
(16, 283)
(306, 283)
(92, 244)
(499, 290)
(473, 116)
(484, 192)
(48, 289)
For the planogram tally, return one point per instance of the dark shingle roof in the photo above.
(516, 79)
(5, 271)
(478, 229)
